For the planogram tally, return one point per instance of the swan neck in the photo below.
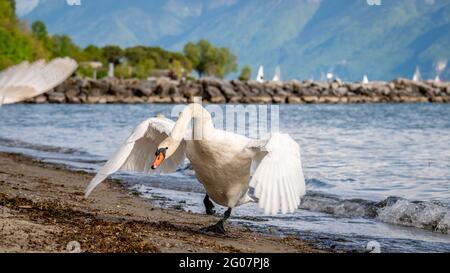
(202, 122)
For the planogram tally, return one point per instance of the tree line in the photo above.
(18, 42)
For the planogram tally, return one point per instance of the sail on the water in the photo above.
(277, 75)
(260, 75)
(417, 76)
(365, 79)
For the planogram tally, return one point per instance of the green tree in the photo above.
(123, 70)
(12, 3)
(246, 73)
(16, 42)
(112, 53)
(143, 69)
(93, 53)
(8, 17)
(63, 46)
(40, 32)
(135, 54)
(209, 60)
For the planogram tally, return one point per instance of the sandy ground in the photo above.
(42, 209)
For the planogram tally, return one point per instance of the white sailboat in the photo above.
(329, 76)
(277, 75)
(365, 79)
(437, 79)
(260, 75)
(417, 76)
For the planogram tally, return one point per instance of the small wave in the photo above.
(426, 215)
(432, 216)
(316, 183)
(41, 147)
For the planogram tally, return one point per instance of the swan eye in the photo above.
(161, 150)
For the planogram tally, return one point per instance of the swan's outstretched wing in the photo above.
(278, 176)
(138, 152)
(26, 80)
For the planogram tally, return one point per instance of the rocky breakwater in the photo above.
(165, 90)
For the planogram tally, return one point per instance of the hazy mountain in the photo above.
(307, 38)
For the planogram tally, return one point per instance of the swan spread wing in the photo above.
(278, 177)
(25, 80)
(137, 153)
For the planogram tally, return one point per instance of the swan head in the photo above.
(373, 247)
(165, 150)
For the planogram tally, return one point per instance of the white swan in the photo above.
(373, 247)
(26, 80)
(225, 163)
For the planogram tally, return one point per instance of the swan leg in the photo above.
(218, 227)
(209, 206)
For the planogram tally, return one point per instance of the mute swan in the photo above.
(373, 247)
(222, 162)
(25, 80)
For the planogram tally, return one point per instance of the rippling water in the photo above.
(374, 171)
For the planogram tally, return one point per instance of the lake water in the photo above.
(374, 171)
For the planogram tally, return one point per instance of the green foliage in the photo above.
(246, 73)
(123, 70)
(63, 46)
(112, 53)
(12, 3)
(209, 60)
(143, 68)
(93, 53)
(40, 32)
(16, 43)
(7, 15)
(19, 43)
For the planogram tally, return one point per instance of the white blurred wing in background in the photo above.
(25, 80)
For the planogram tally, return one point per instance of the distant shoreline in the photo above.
(165, 90)
(42, 209)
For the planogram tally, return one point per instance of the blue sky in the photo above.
(25, 6)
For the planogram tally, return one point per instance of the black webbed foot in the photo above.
(215, 229)
(218, 227)
(209, 206)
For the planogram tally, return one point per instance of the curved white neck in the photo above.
(202, 123)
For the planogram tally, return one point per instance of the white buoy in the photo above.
(260, 75)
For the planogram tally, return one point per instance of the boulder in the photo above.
(56, 97)
(294, 100)
(40, 99)
(143, 88)
(119, 90)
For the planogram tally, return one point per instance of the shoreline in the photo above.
(42, 209)
(166, 90)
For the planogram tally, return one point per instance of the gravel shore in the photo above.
(42, 209)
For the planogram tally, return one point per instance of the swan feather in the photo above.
(278, 176)
(138, 151)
